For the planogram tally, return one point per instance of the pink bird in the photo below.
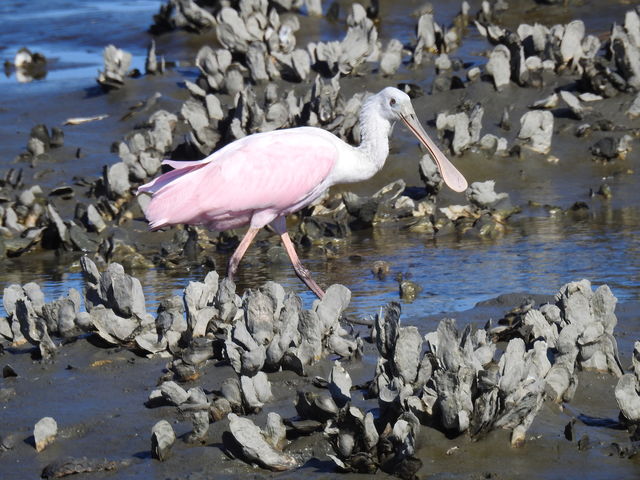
(259, 179)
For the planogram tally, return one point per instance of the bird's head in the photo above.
(393, 105)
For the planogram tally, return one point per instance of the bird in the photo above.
(259, 179)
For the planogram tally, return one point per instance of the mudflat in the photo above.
(578, 217)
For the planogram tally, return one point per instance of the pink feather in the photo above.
(251, 181)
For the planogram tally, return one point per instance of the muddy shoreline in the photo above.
(112, 422)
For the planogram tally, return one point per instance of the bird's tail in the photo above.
(179, 169)
(154, 211)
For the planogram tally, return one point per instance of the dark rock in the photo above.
(41, 133)
(6, 393)
(584, 443)
(569, 428)
(16, 246)
(8, 442)
(598, 78)
(604, 191)
(80, 240)
(71, 465)
(409, 290)
(364, 209)
(57, 137)
(319, 227)
(442, 83)
(606, 148)
(318, 407)
(65, 192)
(411, 89)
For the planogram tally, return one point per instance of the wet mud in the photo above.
(97, 392)
(98, 395)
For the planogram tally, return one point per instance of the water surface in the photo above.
(538, 254)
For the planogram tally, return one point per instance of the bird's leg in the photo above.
(234, 261)
(280, 226)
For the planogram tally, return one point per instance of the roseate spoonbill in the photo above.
(259, 179)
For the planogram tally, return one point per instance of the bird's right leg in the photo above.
(280, 226)
(234, 261)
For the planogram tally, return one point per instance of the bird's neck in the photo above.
(374, 143)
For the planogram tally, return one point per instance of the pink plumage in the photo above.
(251, 181)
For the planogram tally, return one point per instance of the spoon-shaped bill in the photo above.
(450, 174)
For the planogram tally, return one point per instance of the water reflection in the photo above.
(75, 34)
(537, 256)
(63, 64)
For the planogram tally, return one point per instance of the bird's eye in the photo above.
(392, 102)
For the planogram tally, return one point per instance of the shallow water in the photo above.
(537, 255)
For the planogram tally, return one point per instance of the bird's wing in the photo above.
(275, 172)
(180, 164)
(182, 167)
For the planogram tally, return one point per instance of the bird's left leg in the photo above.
(280, 226)
(234, 261)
